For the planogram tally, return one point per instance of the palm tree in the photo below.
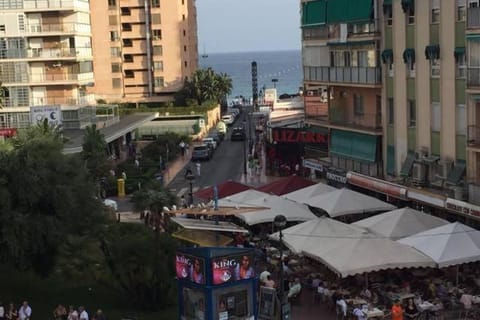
(206, 85)
(94, 152)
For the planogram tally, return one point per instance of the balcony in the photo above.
(60, 78)
(41, 54)
(473, 18)
(57, 29)
(371, 122)
(55, 5)
(315, 109)
(332, 32)
(83, 100)
(473, 77)
(135, 16)
(131, 3)
(473, 137)
(344, 75)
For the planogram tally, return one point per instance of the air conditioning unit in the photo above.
(422, 152)
(419, 174)
(445, 166)
(57, 65)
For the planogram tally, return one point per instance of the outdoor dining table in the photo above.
(425, 306)
(356, 302)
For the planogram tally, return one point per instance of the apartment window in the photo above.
(412, 113)
(128, 58)
(157, 50)
(157, 34)
(2, 27)
(158, 65)
(183, 17)
(436, 117)
(155, 3)
(435, 68)
(183, 2)
(158, 82)
(435, 11)
(116, 67)
(129, 74)
(185, 63)
(115, 51)
(184, 33)
(114, 36)
(126, 11)
(116, 82)
(184, 48)
(358, 105)
(390, 111)
(156, 18)
(461, 9)
(112, 3)
(411, 14)
(126, 27)
(112, 20)
(461, 66)
(390, 68)
(388, 15)
(127, 43)
(347, 58)
(461, 120)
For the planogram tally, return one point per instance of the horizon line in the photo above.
(249, 51)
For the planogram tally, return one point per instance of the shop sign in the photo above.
(462, 207)
(232, 268)
(283, 135)
(190, 268)
(8, 132)
(435, 200)
(53, 115)
(313, 164)
(336, 177)
(377, 185)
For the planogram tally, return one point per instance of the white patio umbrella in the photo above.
(400, 223)
(345, 201)
(302, 195)
(448, 245)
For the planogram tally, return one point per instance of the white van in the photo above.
(228, 119)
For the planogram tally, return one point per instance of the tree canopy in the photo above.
(206, 85)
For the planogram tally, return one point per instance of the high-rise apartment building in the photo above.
(343, 83)
(45, 57)
(397, 85)
(143, 49)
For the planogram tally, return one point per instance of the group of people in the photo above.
(61, 313)
(11, 312)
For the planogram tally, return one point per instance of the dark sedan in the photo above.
(238, 134)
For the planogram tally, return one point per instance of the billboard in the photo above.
(190, 268)
(232, 268)
(53, 114)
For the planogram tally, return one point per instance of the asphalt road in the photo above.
(227, 163)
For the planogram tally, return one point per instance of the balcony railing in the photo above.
(55, 28)
(59, 77)
(316, 109)
(369, 121)
(473, 77)
(55, 4)
(43, 53)
(473, 136)
(332, 31)
(87, 99)
(356, 75)
(473, 18)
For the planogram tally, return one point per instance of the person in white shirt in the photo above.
(25, 312)
(83, 313)
(2, 311)
(342, 307)
(295, 288)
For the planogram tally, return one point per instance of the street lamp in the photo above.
(190, 178)
(245, 148)
(280, 222)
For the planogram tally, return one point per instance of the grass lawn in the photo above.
(44, 294)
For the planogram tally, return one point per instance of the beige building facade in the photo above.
(143, 49)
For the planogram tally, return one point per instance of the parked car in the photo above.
(238, 134)
(202, 152)
(229, 119)
(217, 136)
(210, 142)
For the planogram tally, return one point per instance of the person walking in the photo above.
(198, 166)
(25, 311)
(182, 148)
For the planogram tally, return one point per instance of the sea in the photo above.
(285, 66)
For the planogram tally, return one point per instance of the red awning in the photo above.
(285, 185)
(224, 190)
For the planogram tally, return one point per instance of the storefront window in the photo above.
(233, 303)
(193, 304)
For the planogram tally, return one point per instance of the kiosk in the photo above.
(216, 283)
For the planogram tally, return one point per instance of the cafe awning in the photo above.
(197, 224)
(202, 238)
(304, 194)
(357, 146)
(224, 189)
(409, 55)
(387, 56)
(432, 52)
(344, 11)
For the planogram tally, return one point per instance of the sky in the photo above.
(248, 25)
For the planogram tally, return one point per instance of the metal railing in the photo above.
(358, 75)
(473, 136)
(332, 31)
(82, 100)
(473, 76)
(371, 121)
(56, 4)
(473, 18)
(58, 28)
(43, 53)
